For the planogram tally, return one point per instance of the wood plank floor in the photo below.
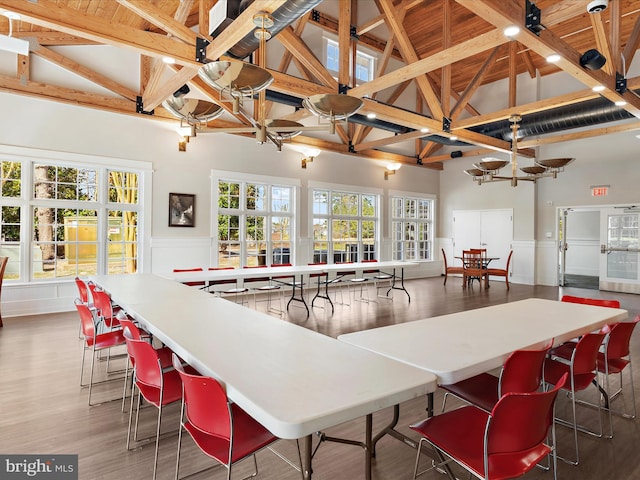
(44, 411)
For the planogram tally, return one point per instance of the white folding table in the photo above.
(292, 380)
(460, 345)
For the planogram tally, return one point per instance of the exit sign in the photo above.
(599, 191)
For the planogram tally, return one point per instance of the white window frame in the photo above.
(28, 157)
(360, 53)
(244, 178)
(431, 223)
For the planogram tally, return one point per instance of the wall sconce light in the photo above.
(182, 144)
(186, 130)
(309, 155)
(392, 168)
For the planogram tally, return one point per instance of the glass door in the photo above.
(562, 246)
(620, 250)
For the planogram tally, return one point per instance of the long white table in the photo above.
(297, 273)
(292, 380)
(460, 345)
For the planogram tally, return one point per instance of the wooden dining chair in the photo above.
(450, 270)
(501, 272)
(473, 267)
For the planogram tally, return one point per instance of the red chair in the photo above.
(582, 371)
(220, 428)
(448, 269)
(106, 311)
(158, 387)
(191, 284)
(95, 342)
(505, 443)
(164, 353)
(521, 373)
(598, 302)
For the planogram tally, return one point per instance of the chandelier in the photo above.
(236, 81)
(488, 169)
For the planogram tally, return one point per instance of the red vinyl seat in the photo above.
(598, 302)
(450, 270)
(521, 373)
(191, 284)
(504, 443)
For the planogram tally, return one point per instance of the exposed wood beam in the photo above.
(388, 140)
(632, 43)
(303, 53)
(447, 156)
(344, 42)
(504, 13)
(287, 56)
(85, 72)
(475, 83)
(203, 14)
(602, 41)
(445, 87)
(513, 73)
(429, 148)
(379, 20)
(49, 38)
(23, 69)
(409, 55)
(160, 19)
(458, 52)
(528, 61)
(615, 18)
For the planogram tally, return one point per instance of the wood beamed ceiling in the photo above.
(448, 49)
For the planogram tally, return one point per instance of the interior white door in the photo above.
(620, 250)
(490, 229)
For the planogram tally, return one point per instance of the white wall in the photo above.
(39, 124)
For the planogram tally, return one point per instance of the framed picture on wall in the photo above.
(182, 210)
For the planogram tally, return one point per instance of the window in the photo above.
(345, 226)
(255, 222)
(82, 219)
(365, 64)
(411, 228)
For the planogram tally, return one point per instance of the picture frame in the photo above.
(182, 210)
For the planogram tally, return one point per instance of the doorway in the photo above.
(579, 248)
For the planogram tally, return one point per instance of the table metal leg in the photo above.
(301, 297)
(326, 292)
(401, 287)
(307, 448)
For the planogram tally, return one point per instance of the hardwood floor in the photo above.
(43, 410)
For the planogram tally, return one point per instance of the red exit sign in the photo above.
(599, 191)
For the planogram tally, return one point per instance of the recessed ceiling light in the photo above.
(638, 137)
(371, 115)
(169, 60)
(453, 138)
(424, 130)
(620, 103)
(553, 58)
(511, 31)
(598, 88)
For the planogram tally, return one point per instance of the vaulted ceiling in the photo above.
(447, 50)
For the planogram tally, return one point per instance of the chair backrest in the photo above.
(508, 261)
(191, 284)
(472, 260)
(133, 329)
(206, 404)
(444, 259)
(83, 290)
(618, 339)
(375, 270)
(321, 274)
(344, 273)
(521, 421)
(222, 282)
(145, 358)
(522, 372)
(585, 354)
(87, 324)
(598, 302)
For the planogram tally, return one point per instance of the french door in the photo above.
(490, 229)
(620, 250)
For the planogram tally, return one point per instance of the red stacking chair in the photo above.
(94, 341)
(598, 302)
(191, 284)
(158, 387)
(106, 311)
(164, 353)
(220, 428)
(522, 373)
(505, 443)
(582, 371)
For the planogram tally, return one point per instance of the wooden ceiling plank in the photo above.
(49, 38)
(160, 19)
(23, 69)
(602, 41)
(152, 97)
(408, 52)
(475, 83)
(390, 101)
(84, 72)
(380, 19)
(504, 13)
(615, 19)
(458, 52)
(303, 53)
